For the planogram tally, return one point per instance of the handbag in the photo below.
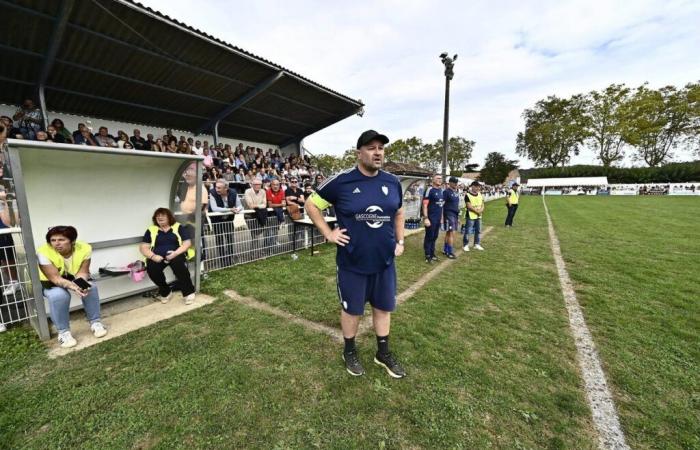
(294, 211)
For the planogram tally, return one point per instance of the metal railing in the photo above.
(15, 286)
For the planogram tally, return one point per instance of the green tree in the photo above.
(554, 129)
(605, 121)
(458, 153)
(657, 121)
(496, 168)
(408, 151)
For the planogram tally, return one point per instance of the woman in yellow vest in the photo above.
(512, 203)
(475, 209)
(167, 243)
(63, 260)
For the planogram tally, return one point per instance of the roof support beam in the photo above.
(248, 96)
(50, 57)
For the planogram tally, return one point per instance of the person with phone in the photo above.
(64, 268)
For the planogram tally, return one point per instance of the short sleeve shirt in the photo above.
(366, 208)
(273, 197)
(167, 241)
(436, 201)
(451, 198)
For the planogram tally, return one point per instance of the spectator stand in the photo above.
(108, 195)
(568, 186)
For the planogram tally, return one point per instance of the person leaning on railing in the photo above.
(165, 243)
(62, 260)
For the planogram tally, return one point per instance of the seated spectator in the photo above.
(83, 136)
(167, 243)
(61, 130)
(29, 119)
(208, 160)
(168, 138)
(149, 142)
(104, 139)
(41, 136)
(171, 146)
(276, 201)
(294, 193)
(198, 150)
(139, 142)
(122, 138)
(54, 136)
(12, 131)
(256, 199)
(229, 175)
(158, 146)
(318, 180)
(308, 189)
(128, 146)
(224, 200)
(240, 176)
(64, 263)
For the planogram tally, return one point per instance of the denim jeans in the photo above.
(59, 306)
(473, 227)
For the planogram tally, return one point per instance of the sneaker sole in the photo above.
(351, 372)
(388, 370)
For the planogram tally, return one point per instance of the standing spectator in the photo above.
(62, 261)
(187, 193)
(451, 216)
(167, 243)
(475, 211)
(433, 202)
(137, 141)
(61, 131)
(224, 200)
(29, 119)
(512, 203)
(104, 139)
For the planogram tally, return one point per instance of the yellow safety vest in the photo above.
(513, 197)
(81, 250)
(176, 229)
(476, 201)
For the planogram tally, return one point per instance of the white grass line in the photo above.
(261, 306)
(366, 323)
(605, 419)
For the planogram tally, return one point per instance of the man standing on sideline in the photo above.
(451, 215)
(369, 206)
(433, 202)
(224, 200)
(512, 203)
(475, 210)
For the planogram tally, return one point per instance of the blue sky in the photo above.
(511, 54)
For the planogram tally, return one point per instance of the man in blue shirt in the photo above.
(451, 216)
(433, 202)
(368, 204)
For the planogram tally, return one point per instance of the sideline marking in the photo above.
(262, 306)
(605, 418)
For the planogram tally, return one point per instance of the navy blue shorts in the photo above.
(451, 221)
(355, 289)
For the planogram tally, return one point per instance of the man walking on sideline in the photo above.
(433, 202)
(475, 210)
(451, 215)
(512, 203)
(369, 206)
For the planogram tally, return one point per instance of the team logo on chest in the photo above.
(373, 216)
(385, 190)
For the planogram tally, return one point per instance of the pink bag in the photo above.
(137, 271)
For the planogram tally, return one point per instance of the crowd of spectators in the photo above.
(241, 164)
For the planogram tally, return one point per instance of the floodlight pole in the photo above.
(449, 73)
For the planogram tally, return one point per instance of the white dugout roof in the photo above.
(573, 181)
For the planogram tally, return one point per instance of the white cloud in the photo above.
(511, 54)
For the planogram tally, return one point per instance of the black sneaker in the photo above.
(353, 364)
(428, 259)
(451, 256)
(392, 366)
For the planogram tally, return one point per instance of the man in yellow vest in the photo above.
(475, 210)
(512, 203)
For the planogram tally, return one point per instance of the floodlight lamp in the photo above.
(443, 55)
(454, 58)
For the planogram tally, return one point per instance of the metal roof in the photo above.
(119, 60)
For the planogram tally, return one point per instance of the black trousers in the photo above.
(179, 267)
(511, 214)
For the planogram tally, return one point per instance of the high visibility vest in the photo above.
(81, 251)
(513, 197)
(176, 229)
(476, 201)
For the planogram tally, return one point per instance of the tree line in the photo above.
(668, 173)
(651, 123)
